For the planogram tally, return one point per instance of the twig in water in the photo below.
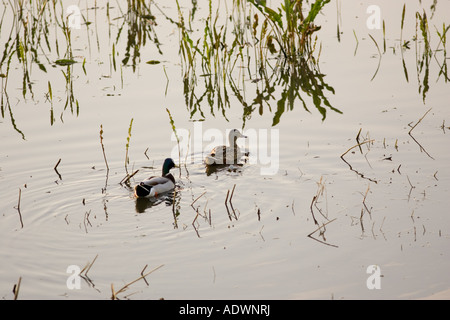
(381, 228)
(104, 157)
(192, 204)
(364, 200)
(127, 178)
(232, 192)
(226, 206)
(18, 207)
(86, 218)
(56, 170)
(142, 274)
(260, 233)
(231, 204)
(16, 288)
(103, 148)
(319, 228)
(410, 190)
(312, 211)
(85, 270)
(413, 127)
(320, 191)
(88, 267)
(361, 220)
(350, 166)
(193, 224)
(435, 176)
(173, 210)
(357, 140)
(115, 293)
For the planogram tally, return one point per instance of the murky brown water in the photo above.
(391, 210)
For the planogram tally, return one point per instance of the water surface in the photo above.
(391, 210)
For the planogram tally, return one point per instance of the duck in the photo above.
(226, 154)
(153, 186)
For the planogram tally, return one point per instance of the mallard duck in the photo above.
(226, 154)
(153, 186)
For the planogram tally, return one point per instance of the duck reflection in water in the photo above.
(143, 204)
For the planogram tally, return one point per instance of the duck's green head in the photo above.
(168, 164)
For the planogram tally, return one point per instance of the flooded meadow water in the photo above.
(357, 138)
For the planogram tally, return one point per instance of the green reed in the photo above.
(247, 49)
(443, 69)
(127, 146)
(292, 30)
(423, 58)
(140, 23)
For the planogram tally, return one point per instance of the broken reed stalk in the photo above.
(16, 288)
(56, 169)
(358, 145)
(173, 210)
(103, 148)
(364, 200)
(312, 211)
(127, 178)
(192, 204)
(357, 140)
(18, 207)
(86, 219)
(320, 227)
(231, 204)
(142, 274)
(361, 220)
(193, 224)
(88, 267)
(226, 206)
(115, 293)
(320, 190)
(232, 192)
(413, 127)
(350, 166)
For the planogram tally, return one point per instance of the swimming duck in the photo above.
(226, 154)
(153, 186)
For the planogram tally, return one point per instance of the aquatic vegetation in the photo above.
(291, 30)
(237, 60)
(140, 24)
(127, 146)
